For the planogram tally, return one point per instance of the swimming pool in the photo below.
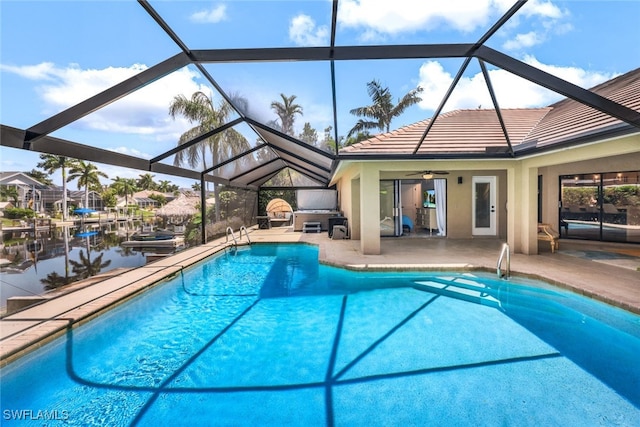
(267, 336)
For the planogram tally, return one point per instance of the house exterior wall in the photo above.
(609, 156)
(358, 187)
(517, 183)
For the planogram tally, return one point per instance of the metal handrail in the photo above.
(246, 233)
(505, 250)
(235, 242)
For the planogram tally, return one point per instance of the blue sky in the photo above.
(54, 54)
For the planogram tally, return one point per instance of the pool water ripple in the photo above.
(269, 337)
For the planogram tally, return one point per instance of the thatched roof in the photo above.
(182, 206)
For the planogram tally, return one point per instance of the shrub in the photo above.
(19, 213)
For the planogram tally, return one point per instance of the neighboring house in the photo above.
(567, 165)
(95, 200)
(52, 199)
(29, 189)
(143, 200)
(43, 198)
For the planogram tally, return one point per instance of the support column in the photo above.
(369, 209)
(526, 210)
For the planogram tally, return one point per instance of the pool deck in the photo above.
(607, 272)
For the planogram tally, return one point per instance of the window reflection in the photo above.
(601, 206)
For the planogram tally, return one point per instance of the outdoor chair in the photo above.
(548, 234)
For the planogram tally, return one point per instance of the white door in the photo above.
(484, 206)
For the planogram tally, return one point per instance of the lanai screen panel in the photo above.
(246, 24)
(298, 154)
(259, 175)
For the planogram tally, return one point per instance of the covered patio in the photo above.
(273, 157)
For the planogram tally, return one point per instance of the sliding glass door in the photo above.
(390, 206)
(601, 206)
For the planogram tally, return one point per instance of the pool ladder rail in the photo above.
(229, 231)
(505, 255)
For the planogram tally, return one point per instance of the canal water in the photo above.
(34, 263)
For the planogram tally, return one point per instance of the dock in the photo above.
(169, 243)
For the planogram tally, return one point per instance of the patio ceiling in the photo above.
(274, 151)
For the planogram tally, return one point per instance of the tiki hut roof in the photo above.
(182, 206)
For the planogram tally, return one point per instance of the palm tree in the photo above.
(164, 186)
(87, 175)
(51, 163)
(54, 281)
(286, 110)
(145, 182)
(124, 187)
(382, 110)
(86, 267)
(199, 109)
(40, 176)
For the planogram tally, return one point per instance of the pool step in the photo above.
(462, 289)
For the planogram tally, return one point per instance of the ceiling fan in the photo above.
(429, 174)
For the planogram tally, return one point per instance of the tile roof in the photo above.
(569, 119)
(479, 130)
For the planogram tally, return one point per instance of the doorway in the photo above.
(484, 206)
(390, 208)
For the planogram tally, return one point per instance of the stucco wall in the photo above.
(459, 203)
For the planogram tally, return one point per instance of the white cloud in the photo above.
(144, 112)
(523, 40)
(40, 71)
(546, 17)
(210, 16)
(303, 32)
(543, 9)
(511, 91)
(131, 152)
(392, 17)
(578, 76)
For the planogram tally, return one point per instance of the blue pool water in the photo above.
(270, 337)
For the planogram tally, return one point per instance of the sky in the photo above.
(55, 54)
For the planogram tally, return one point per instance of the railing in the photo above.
(246, 233)
(503, 252)
(230, 230)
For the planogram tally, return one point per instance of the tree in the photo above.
(382, 111)
(109, 198)
(86, 267)
(164, 186)
(88, 176)
(329, 143)
(51, 163)
(40, 176)
(361, 136)
(124, 187)
(309, 134)
(286, 111)
(199, 109)
(159, 198)
(10, 192)
(145, 182)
